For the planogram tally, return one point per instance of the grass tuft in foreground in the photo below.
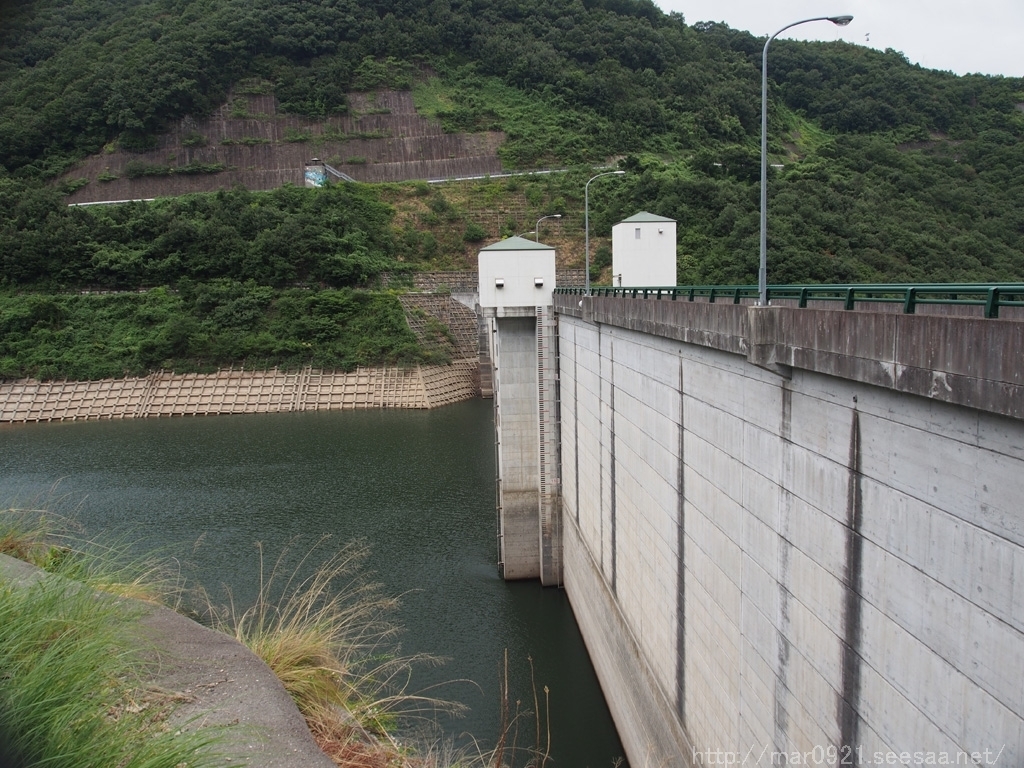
(25, 535)
(70, 675)
(330, 639)
(109, 565)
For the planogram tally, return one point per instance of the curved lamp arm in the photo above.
(762, 272)
(586, 223)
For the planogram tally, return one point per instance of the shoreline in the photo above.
(238, 391)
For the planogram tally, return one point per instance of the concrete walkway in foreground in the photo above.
(217, 682)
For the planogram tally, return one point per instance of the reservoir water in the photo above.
(417, 486)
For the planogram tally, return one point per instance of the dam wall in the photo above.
(796, 537)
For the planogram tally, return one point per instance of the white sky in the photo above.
(985, 36)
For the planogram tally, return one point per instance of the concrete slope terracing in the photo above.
(383, 139)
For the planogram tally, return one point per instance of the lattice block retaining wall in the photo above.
(460, 320)
(227, 392)
(446, 384)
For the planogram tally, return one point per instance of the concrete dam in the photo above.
(790, 536)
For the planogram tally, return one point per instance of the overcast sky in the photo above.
(961, 36)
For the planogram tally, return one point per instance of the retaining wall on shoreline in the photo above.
(229, 392)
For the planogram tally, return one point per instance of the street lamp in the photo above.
(586, 221)
(762, 273)
(536, 229)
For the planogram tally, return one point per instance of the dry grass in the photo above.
(24, 534)
(324, 629)
(330, 639)
(108, 565)
(509, 750)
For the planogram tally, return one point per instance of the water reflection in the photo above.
(418, 486)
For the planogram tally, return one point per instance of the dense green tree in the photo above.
(338, 236)
(889, 172)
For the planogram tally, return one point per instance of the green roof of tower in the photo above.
(644, 216)
(518, 244)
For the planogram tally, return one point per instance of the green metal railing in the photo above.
(991, 296)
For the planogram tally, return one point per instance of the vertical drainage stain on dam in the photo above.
(576, 420)
(849, 695)
(680, 560)
(611, 462)
(781, 694)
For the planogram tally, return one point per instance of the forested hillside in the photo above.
(889, 172)
(614, 76)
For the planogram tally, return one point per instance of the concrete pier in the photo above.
(516, 278)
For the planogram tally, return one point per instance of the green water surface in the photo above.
(417, 486)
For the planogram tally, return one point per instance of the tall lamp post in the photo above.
(586, 221)
(762, 273)
(536, 229)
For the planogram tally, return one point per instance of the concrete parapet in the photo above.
(231, 392)
(968, 361)
(955, 358)
(719, 326)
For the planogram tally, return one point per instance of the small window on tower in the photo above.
(636, 233)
